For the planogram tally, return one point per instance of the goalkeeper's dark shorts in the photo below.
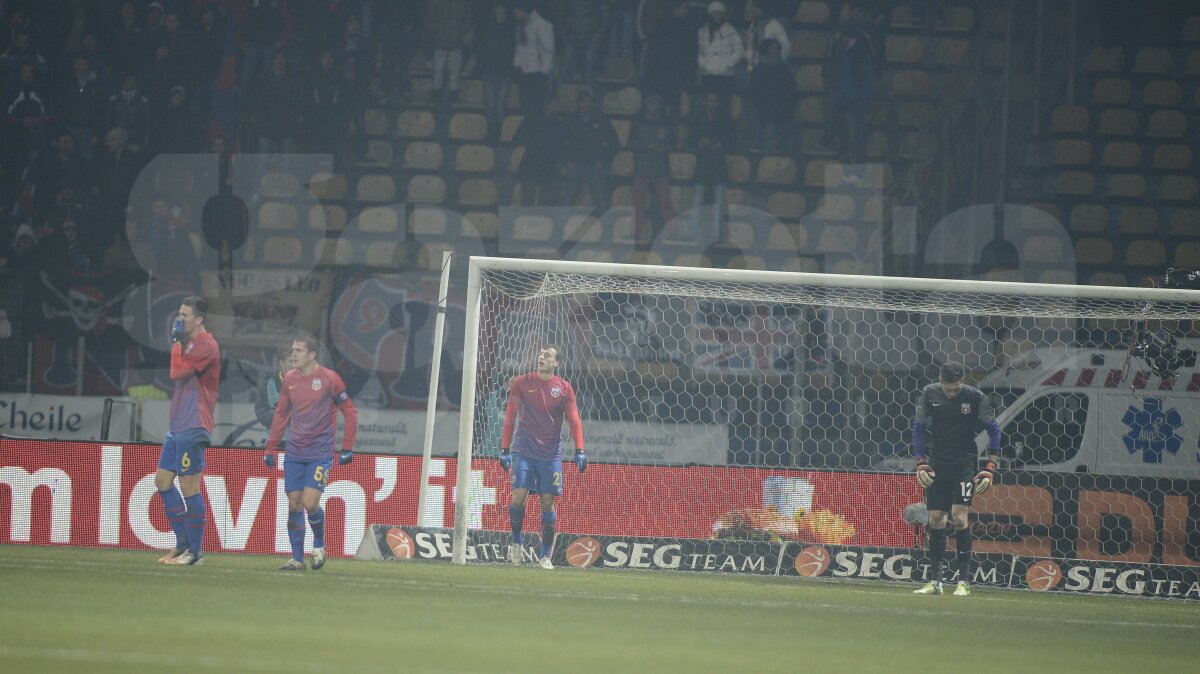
(952, 485)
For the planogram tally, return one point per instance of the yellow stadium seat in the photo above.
(593, 255)
(1167, 123)
(1108, 278)
(415, 124)
(822, 172)
(426, 189)
(282, 250)
(276, 215)
(423, 156)
(583, 228)
(681, 197)
(1191, 28)
(837, 239)
(1093, 251)
(950, 51)
(380, 220)
(621, 126)
(1042, 249)
(1074, 183)
(1155, 61)
(533, 228)
(854, 267)
(327, 217)
(477, 192)
(1163, 93)
(625, 102)
(1112, 91)
(811, 12)
(740, 235)
(1184, 222)
(1121, 155)
(1105, 60)
(746, 262)
(810, 44)
(1126, 186)
(776, 170)
(470, 94)
(788, 238)
(509, 128)
(427, 222)
(786, 205)
(379, 153)
(622, 164)
(328, 186)
(375, 187)
(1069, 119)
(479, 224)
(809, 79)
(1172, 158)
(1118, 122)
(1137, 220)
(333, 252)
(811, 110)
(738, 167)
(1059, 276)
(916, 113)
(644, 257)
(835, 206)
(691, 260)
(1072, 152)
(903, 49)
(683, 165)
(1177, 188)
(468, 126)
(278, 186)
(474, 159)
(1145, 253)
(375, 122)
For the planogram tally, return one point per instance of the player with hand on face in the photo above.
(196, 371)
(308, 398)
(949, 415)
(538, 402)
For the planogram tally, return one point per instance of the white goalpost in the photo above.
(775, 406)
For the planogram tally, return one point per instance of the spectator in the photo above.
(79, 105)
(262, 35)
(60, 171)
(773, 98)
(325, 107)
(177, 130)
(155, 19)
(172, 246)
(533, 57)
(764, 24)
(116, 171)
(450, 26)
(180, 42)
(650, 140)
(588, 143)
(21, 255)
(582, 25)
(78, 22)
(669, 63)
(538, 136)
(65, 252)
(208, 45)
(25, 113)
(164, 72)
(849, 72)
(127, 41)
(497, 42)
(273, 108)
(21, 52)
(711, 137)
(720, 52)
(403, 21)
(622, 17)
(128, 109)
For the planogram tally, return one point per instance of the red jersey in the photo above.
(306, 411)
(538, 408)
(196, 371)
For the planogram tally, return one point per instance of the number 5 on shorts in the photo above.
(320, 475)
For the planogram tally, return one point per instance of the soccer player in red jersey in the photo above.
(308, 397)
(537, 403)
(196, 371)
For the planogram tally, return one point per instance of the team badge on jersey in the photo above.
(966, 408)
(555, 392)
(316, 384)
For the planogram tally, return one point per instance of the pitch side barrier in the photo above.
(761, 558)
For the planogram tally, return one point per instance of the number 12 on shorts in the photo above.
(967, 488)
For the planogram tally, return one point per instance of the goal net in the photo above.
(764, 406)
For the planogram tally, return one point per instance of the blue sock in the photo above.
(316, 520)
(516, 517)
(173, 504)
(296, 534)
(548, 521)
(195, 522)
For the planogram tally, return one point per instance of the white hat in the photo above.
(716, 6)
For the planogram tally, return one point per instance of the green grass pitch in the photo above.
(76, 610)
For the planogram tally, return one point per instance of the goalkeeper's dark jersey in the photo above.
(952, 423)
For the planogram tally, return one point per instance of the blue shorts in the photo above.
(183, 451)
(299, 475)
(539, 477)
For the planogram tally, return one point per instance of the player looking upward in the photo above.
(949, 415)
(537, 403)
(196, 371)
(307, 400)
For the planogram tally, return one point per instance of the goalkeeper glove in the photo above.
(505, 460)
(269, 459)
(177, 332)
(925, 473)
(345, 456)
(983, 479)
(580, 460)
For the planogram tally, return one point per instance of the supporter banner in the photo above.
(57, 417)
(265, 308)
(669, 554)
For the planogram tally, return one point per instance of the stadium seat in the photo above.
(811, 12)
(1191, 29)
(738, 167)
(593, 255)
(1069, 119)
(1121, 155)
(1074, 183)
(810, 45)
(1059, 276)
(277, 215)
(375, 122)
(800, 264)
(1093, 251)
(567, 95)
(427, 222)
(583, 228)
(278, 186)
(379, 153)
(468, 126)
(622, 230)
(776, 170)
(332, 252)
(1137, 220)
(683, 165)
(1184, 222)
(376, 187)
(837, 239)
(282, 250)
(1042, 248)
(872, 210)
(415, 124)
(479, 224)
(903, 49)
(618, 71)
(1072, 152)
(691, 260)
(854, 267)
(920, 114)
(822, 172)
(1172, 158)
(533, 228)
(811, 110)
(1155, 61)
(622, 164)
(788, 238)
(426, 189)
(477, 192)
(430, 254)
(330, 186)
(621, 126)
(248, 252)
(626, 102)
(1187, 254)
(327, 217)
(740, 235)
(1162, 94)
(622, 195)
(786, 205)
(741, 261)
(1108, 278)
(474, 159)
(1105, 60)
(470, 93)
(1167, 123)
(1112, 91)
(380, 253)
(1145, 253)
(379, 220)
(682, 196)
(737, 197)
(809, 79)
(835, 206)
(1126, 186)
(1117, 122)
(643, 257)
(1177, 188)
(509, 127)
(422, 156)
(877, 145)
(950, 51)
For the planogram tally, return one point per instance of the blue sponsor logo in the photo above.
(1152, 430)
